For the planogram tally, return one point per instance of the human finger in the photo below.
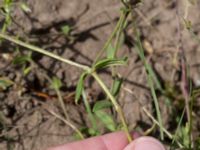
(112, 141)
(145, 143)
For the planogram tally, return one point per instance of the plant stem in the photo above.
(116, 105)
(164, 130)
(122, 21)
(89, 111)
(40, 50)
(103, 86)
(151, 77)
(7, 7)
(62, 103)
(110, 38)
(67, 123)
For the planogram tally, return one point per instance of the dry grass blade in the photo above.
(157, 123)
(66, 122)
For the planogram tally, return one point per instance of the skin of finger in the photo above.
(112, 141)
(145, 143)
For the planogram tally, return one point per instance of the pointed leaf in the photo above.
(110, 51)
(5, 83)
(116, 86)
(25, 8)
(66, 29)
(101, 105)
(20, 60)
(109, 62)
(106, 119)
(121, 40)
(56, 83)
(27, 70)
(79, 87)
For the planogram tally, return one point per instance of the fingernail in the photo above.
(135, 135)
(145, 143)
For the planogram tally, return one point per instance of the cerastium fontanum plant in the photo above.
(110, 61)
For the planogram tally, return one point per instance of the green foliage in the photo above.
(110, 61)
(20, 60)
(110, 51)
(184, 136)
(5, 83)
(79, 87)
(99, 105)
(150, 72)
(116, 86)
(56, 83)
(152, 78)
(93, 130)
(106, 119)
(26, 70)
(7, 6)
(121, 39)
(25, 7)
(66, 29)
(86, 131)
(23, 60)
(197, 143)
(104, 63)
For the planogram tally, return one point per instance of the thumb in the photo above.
(145, 143)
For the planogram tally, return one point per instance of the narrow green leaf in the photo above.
(116, 86)
(56, 83)
(5, 83)
(110, 51)
(148, 67)
(83, 130)
(20, 60)
(92, 132)
(183, 135)
(101, 105)
(106, 119)
(110, 62)
(151, 76)
(65, 29)
(79, 87)
(8, 2)
(121, 40)
(89, 111)
(7, 6)
(27, 70)
(25, 7)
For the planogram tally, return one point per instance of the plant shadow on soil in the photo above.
(28, 125)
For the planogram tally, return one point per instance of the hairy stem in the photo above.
(42, 51)
(103, 86)
(116, 105)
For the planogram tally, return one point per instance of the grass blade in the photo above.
(151, 77)
(109, 62)
(79, 87)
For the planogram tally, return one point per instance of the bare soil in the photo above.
(28, 125)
